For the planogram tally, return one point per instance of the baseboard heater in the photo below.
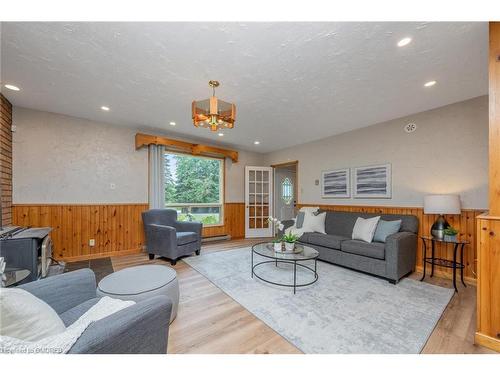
(224, 237)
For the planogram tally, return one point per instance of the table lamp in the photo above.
(441, 204)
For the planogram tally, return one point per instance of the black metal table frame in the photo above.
(445, 262)
(295, 263)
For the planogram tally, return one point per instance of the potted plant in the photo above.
(277, 244)
(290, 240)
(450, 234)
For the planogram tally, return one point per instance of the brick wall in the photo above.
(6, 159)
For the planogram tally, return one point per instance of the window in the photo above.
(287, 190)
(194, 186)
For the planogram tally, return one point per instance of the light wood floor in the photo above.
(209, 321)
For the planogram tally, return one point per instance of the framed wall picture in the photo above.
(374, 181)
(336, 183)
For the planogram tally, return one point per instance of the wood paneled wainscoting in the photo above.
(465, 223)
(116, 228)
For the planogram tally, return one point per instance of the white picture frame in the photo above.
(373, 181)
(336, 183)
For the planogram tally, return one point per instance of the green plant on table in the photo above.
(290, 238)
(277, 240)
(450, 231)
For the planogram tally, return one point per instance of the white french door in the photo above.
(258, 201)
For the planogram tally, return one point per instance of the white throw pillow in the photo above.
(314, 223)
(364, 229)
(26, 317)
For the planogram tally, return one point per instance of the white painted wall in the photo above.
(447, 154)
(63, 159)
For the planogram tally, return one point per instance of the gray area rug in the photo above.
(343, 312)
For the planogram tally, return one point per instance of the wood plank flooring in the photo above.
(209, 321)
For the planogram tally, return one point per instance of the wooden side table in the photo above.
(433, 261)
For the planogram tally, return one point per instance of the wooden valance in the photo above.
(144, 140)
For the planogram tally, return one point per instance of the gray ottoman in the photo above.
(142, 282)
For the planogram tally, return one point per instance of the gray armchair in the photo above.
(168, 237)
(141, 328)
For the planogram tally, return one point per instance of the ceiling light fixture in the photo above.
(404, 42)
(12, 87)
(221, 134)
(430, 83)
(172, 123)
(104, 108)
(256, 142)
(213, 113)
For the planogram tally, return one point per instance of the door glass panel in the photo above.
(265, 176)
(287, 191)
(259, 223)
(251, 187)
(251, 176)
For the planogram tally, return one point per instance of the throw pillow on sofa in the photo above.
(364, 229)
(314, 223)
(27, 317)
(300, 219)
(385, 229)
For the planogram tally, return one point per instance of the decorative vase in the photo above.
(277, 246)
(289, 246)
(449, 238)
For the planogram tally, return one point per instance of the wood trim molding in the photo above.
(285, 164)
(144, 140)
(494, 118)
(487, 341)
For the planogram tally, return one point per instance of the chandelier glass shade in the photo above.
(213, 113)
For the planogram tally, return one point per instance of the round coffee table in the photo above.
(297, 259)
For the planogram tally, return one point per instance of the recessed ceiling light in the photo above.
(430, 83)
(12, 87)
(256, 142)
(104, 108)
(172, 123)
(404, 42)
(221, 134)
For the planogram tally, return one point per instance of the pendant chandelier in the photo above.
(213, 113)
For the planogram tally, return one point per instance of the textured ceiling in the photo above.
(291, 82)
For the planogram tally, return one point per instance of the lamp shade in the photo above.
(442, 204)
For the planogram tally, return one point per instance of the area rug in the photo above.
(343, 312)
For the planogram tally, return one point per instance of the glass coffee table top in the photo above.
(265, 249)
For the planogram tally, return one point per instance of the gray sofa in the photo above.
(168, 237)
(392, 260)
(141, 328)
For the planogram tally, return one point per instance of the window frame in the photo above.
(222, 189)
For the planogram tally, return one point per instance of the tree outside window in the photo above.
(194, 187)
